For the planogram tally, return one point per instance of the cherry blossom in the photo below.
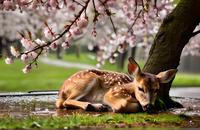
(48, 33)
(53, 46)
(53, 3)
(14, 51)
(40, 42)
(9, 60)
(65, 45)
(8, 5)
(82, 22)
(28, 44)
(111, 26)
(76, 31)
(24, 58)
(26, 69)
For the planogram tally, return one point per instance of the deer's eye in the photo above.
(141, 89)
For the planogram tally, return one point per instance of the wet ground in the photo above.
(42, 104)
(192, 92)
(25, 104)
(189, 97)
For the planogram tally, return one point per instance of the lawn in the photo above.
(41, 78)
(182, 79)
(51, 77)
(98, 120)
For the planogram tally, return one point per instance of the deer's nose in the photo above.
(149, 108)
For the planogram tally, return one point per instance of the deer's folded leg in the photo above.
(75, 104)
(121, 101)
(85, 105)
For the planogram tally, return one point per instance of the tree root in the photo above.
(165, 104)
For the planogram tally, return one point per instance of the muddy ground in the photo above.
(20, 105)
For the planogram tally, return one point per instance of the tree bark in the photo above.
(174, 33)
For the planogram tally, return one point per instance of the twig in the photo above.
(78, 3)
(130, 28)
(136, 4)
(109, 15)
(65, 31)
(35, 59)
(94, 5)
(95, 11)
(59, 36)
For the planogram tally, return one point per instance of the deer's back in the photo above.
(93, 81)
(110, 78)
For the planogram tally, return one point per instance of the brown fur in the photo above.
(91, 89)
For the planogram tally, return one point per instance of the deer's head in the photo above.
(147, 85)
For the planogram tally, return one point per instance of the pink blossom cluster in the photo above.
(28, 55)
(76, 30)
(34, 4)
(117, 26)
(138, 27)
(34, 47)
(14, 4)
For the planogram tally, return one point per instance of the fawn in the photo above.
(96, 89)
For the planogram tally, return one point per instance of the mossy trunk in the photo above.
(174, 33)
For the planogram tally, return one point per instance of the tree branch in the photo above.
(36, 58)
(78, 3)
(130, 28)
(108, 13)
(96, 13)
(59, 36)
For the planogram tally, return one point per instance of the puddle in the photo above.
(21, 105)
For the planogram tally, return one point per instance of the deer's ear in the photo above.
(166, 76)
(133, 67)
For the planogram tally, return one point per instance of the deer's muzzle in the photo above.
(149, 108)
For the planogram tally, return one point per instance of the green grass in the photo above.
(77, 120)
(187, 79)
(182, 79)
(87, 58)
(84, 58)
(51, 77)
(43, 77)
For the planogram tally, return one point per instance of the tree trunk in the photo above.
(133, 51)
(58, 52)
(121, 60)
(78, 51)
(174, 33)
